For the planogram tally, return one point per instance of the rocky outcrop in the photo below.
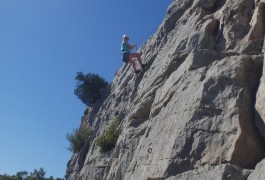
(220, 172)
(192, 114)
(260, 106)
(259, 172)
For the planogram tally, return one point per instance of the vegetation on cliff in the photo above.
(107, 141)
(88, 87)
(78, 138)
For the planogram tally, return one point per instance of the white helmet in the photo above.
(125, 36)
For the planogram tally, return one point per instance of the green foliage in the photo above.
(107, 141)
(38, 174)
(24, 175)
(7, 177)
(78, 138)
(88, 87)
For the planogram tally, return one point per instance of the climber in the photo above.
(127, 56)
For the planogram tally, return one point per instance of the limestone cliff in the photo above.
(198, 111)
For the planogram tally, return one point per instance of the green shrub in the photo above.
(77, 138)
(24, 175)
(107, 141)
(88, 87)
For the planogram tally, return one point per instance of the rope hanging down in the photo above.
(145, 37)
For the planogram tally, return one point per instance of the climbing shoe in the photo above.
(144, 66)
(137, 71)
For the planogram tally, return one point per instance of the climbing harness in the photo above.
(125, 57)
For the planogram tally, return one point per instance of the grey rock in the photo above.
(259, 172)
(260, 106)
(256, 32)
(221, 172)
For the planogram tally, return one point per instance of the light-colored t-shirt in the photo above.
(124, 48)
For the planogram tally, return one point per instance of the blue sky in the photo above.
(43, 43)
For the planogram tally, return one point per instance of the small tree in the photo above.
(38, 174)
(107, 141)
(78, 138)
(21, 175)
(88, 87)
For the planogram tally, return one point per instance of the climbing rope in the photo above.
(145, 37)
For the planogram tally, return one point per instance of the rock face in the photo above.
(259, 172)
(260, 106)
(192, 114)
(220, 172)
